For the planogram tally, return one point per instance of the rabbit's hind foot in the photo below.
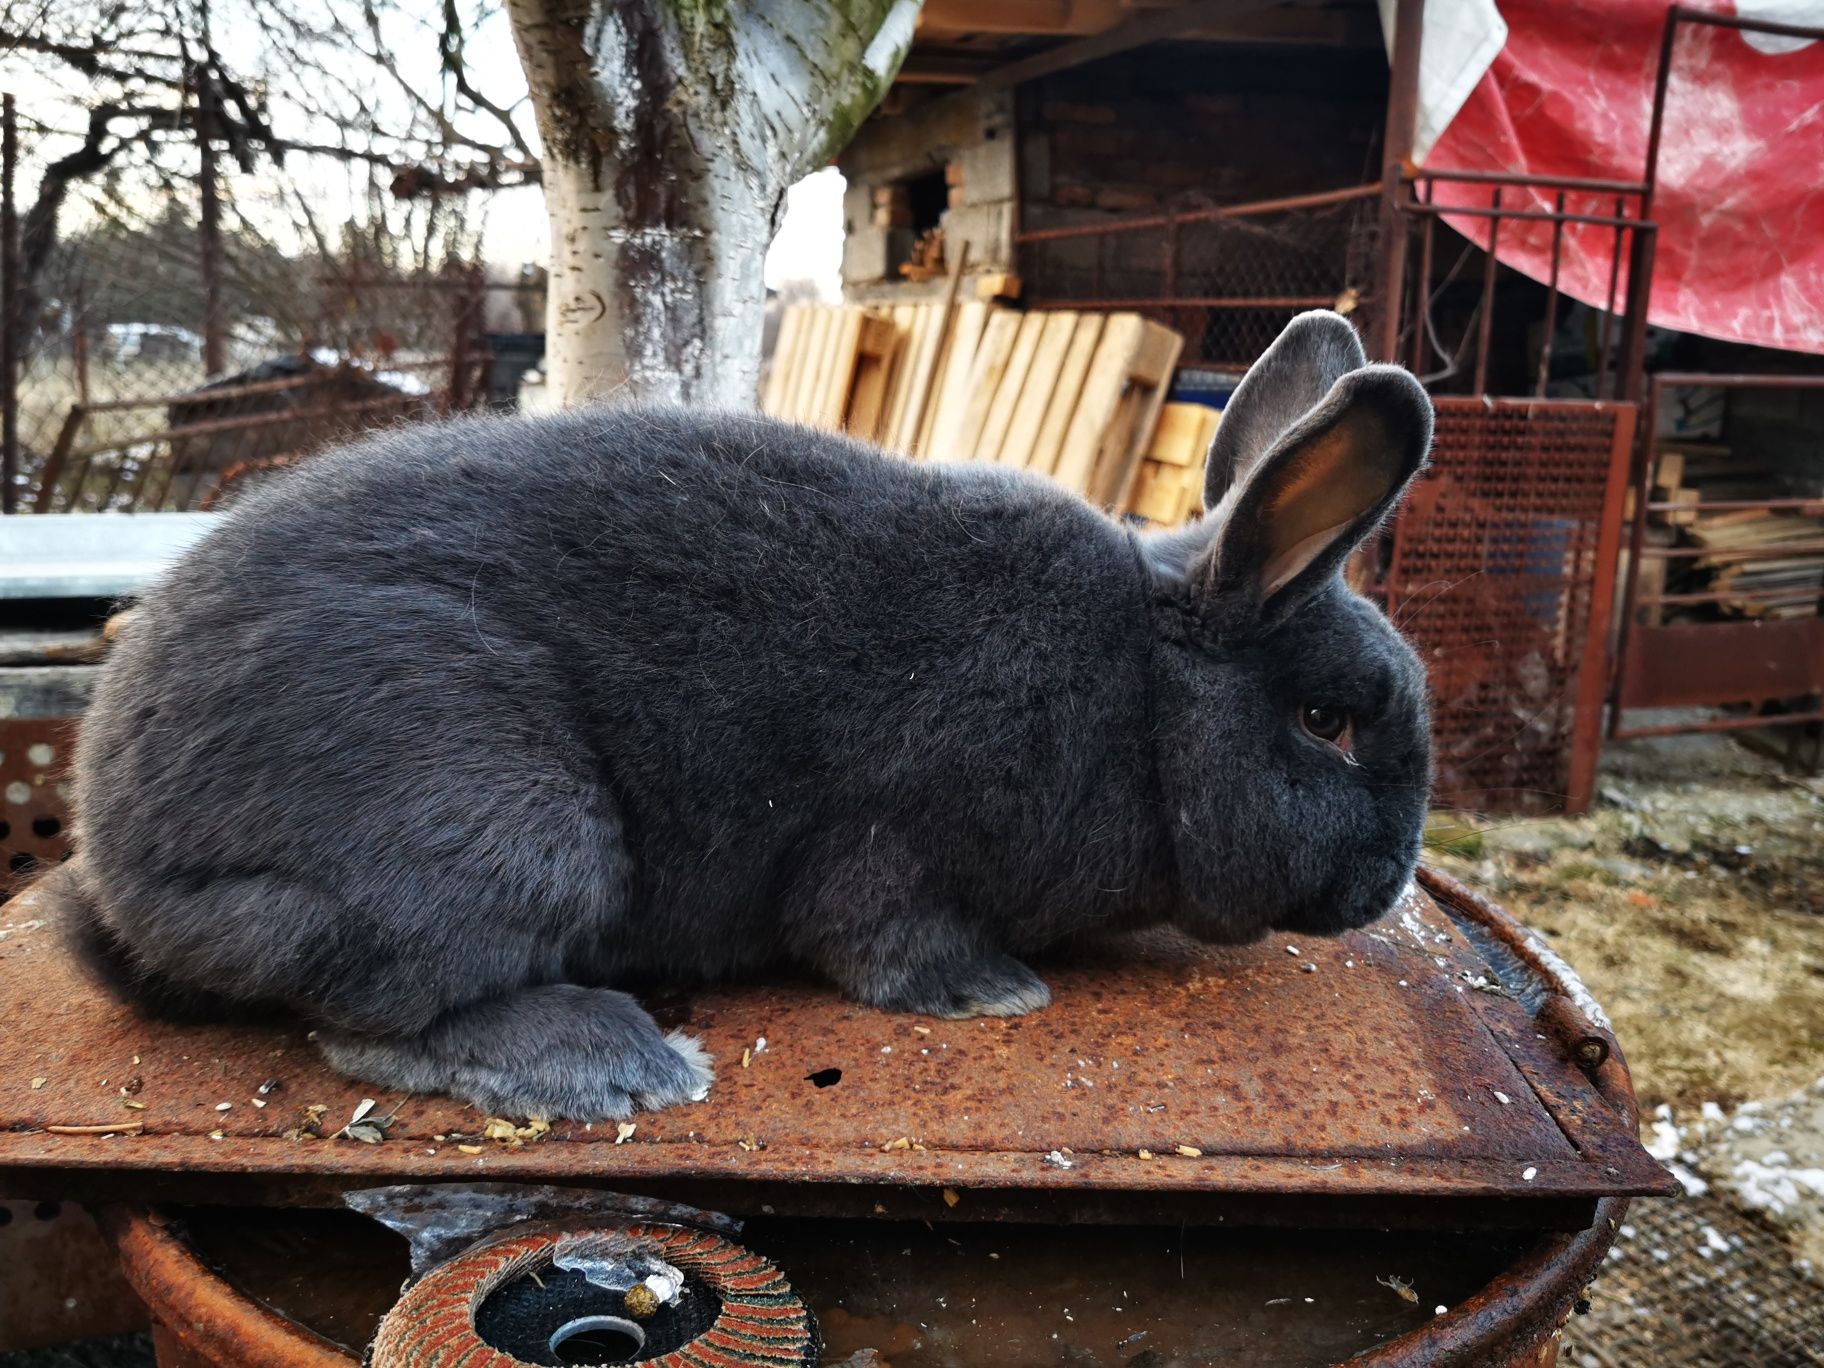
(993, 985)
(584, 1054)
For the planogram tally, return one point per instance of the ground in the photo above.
(1691, 900)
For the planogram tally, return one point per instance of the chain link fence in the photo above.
(164, 361)
(1229, 279)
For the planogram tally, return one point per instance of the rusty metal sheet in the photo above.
(1684, 665)
(1375, 1065)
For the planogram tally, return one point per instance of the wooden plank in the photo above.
(1182, 435)
(903, 316)
(925, 371)
(1100, 399)
(1149, 373)
(984, 379)
(785, 350)
(1041, 388)
(1007, 393)
(953, 388)
(947, 349)
(804, 384)
(912, 341)
(1048, 446)
(867, 400)
(1156, 493)
(839, 374)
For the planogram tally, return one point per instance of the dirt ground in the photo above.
(1691, 900)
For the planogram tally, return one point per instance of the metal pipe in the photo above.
(1195, 302)
(1640, 292)
(1688, 15)
(1521, 215)
(9, 311)
(1592, 668)
(1645, 463)
(1486, 332)
(1320, 200)
(1530, 178)
(1716, 724)
(1607, 335)
(1398, 129)
(1422, 294)
(1730, 380)
(1551, 298)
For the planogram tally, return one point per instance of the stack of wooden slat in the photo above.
(1755, 580)
(1770, 584)
(1075, 396)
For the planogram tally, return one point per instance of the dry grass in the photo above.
(1694, 908)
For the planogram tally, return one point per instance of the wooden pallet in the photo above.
(1073, 396)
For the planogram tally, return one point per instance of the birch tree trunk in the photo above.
(672, 129)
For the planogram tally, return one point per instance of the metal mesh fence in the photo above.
(1228, 279)
(1493, 574)
(1695, 1283)
(313, 337)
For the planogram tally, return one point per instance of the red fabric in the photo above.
(1740, 204)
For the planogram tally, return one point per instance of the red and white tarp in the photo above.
(1740, 204)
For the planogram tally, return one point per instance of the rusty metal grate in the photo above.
(34, 802)
(1694, 1283)
(1502, 564)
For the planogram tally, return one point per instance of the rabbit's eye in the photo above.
(1324, 722)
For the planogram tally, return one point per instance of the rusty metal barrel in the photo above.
(1409, 1145)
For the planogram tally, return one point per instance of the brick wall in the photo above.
(966, 140)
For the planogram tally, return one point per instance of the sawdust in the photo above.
(1691, 900)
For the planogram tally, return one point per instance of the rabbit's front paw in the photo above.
(995, 985)
(583, 1054)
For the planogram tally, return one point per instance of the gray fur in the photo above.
(442, 738)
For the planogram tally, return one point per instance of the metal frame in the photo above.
(1628, 631)
(1630, 634)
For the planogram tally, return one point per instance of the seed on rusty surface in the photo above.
(1190, 1151)
(624, 1132)
(38, 1083)
(469, 1149)
(1146, 1154)
(641, 1302)
(950, 1197)
(1394, 1283)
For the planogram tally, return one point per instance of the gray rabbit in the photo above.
(438, 739)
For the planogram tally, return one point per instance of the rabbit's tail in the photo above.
(75, 907)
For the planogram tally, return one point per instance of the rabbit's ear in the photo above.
(1318, 493)
(1291, 378)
